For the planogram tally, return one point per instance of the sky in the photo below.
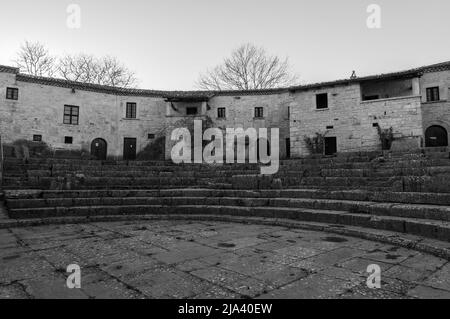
(167, 43)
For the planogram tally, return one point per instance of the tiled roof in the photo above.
(182, 95)
(385, 76)
(8, 69)
(436, 67)
(195, 95)
(88, 86)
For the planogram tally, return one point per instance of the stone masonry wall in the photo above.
(351, 119)
(40, 108)
(436, 113)
(239, 113)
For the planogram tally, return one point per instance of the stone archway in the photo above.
(99, 148)
(436, 136)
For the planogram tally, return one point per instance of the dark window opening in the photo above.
(288, 147)
(259, 112)
(436, 136)
(68, 139)
(322, 101)
(71, 114)
(330, 127)
(12, 93)
(330, 145)
(37, 138)
(191, 111)
(433, 94)
(375, 124)
(221, 112)
(371, 97)
(151, 136)
(131, 111)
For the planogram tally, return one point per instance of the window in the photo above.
(131, 111)
(221, 112)
(330, 127)
(68, 139)
(191, 111)
(259, 112)
(371, 97)
(71, 114)
(322, 101)
(151, 136)
(433, 94)
(12, 93)
(37, 138)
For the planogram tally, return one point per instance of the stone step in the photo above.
(283, 172)
(242, 181)
(352, 169)
(352, 195)
(422, 227)
(141, 173)
(339, 181)
(434, 212)
(51, 161)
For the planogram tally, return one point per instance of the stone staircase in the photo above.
(402, 193)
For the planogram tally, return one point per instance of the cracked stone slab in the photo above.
(207, 259)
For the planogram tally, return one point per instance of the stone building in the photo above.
(119, 123)
(349, 112)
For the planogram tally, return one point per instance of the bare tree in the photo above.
(89, 69)
(114, 73)
(33, 58)
(248, 67)
(80, 68)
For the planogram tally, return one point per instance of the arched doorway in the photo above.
(98, 148)
(436, 136)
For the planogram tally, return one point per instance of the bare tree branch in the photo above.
(33, 58)
(248, 67)
(88, 69)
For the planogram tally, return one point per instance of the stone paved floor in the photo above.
(176, 259)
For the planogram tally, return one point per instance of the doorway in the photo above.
(129, 148)
(436, 136)
(330, 145)
(288, 147)
(99, 149)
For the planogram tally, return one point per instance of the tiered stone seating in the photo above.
(404, 193)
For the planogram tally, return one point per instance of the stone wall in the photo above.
(351, 120)
(436, 113)
(40, 108)
(239, 113)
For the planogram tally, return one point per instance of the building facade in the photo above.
(119, 123)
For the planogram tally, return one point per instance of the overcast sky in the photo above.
(168, 42)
